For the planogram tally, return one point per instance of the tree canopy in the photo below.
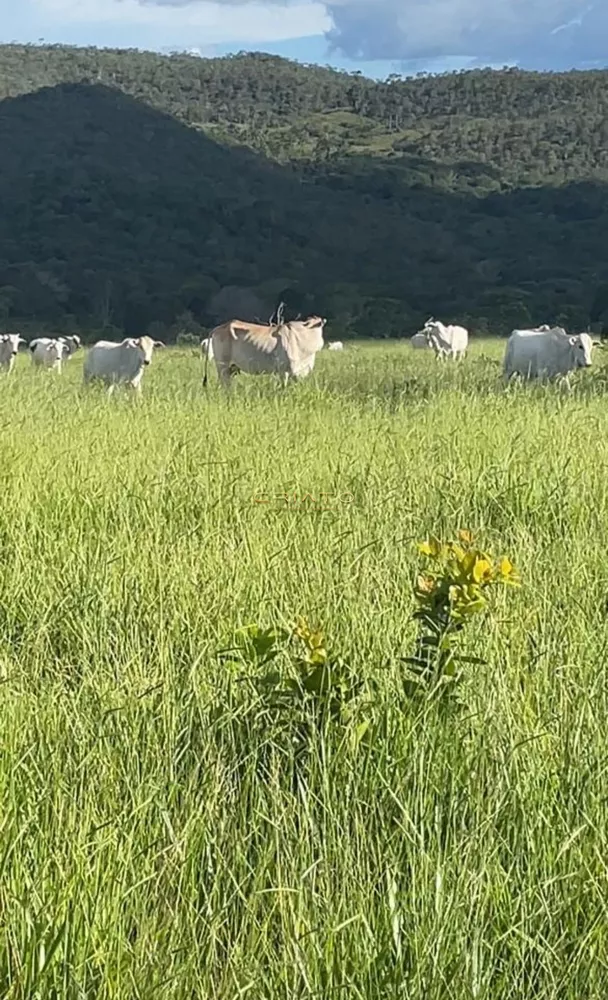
(142, 190)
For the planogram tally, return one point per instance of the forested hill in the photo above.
(141, 189)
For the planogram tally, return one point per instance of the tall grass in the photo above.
(158, 837)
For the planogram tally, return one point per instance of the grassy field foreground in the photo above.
(158, 838)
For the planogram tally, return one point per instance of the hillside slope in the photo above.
(129, 194)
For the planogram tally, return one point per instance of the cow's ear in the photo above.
(573, 340)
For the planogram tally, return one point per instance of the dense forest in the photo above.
(166, 193)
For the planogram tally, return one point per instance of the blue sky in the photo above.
(375, 36)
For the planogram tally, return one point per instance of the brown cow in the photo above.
(288, 350)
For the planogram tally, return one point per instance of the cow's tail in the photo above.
(207, 348)
(507, 365)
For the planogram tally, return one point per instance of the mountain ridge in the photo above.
(481, 196)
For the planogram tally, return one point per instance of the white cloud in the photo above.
(521, 31)
(540, 34)
(533, 33)
(215, 22)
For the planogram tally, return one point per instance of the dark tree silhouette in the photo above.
(140, 189)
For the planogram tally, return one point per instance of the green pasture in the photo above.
(159, 837)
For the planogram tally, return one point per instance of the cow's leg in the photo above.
(111, 389)
(135, 386)
(225, 375)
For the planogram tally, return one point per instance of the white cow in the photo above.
(446, 341)
(48, 352)
(288, 349)
(419, 341)
(9, 345)
(207, 347)
(546, 353)
(73, 343)
(40, 357)
(337, 345)
(119, 363)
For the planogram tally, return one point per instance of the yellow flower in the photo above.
(432, 547)
(482, 571)
(507, 571)
(468, 564)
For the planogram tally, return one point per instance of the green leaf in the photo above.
(319, 681)
(360, 731)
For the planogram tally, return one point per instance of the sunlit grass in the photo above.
(145, 850)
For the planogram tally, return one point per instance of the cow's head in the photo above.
(57, 350)
(581, 346)
(315, 325)
(12, 340)
(145, 346)
(429, 330)
(312, 321)
(72, 343)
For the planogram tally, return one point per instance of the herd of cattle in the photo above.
(47, 352)
(290, 349)
(542, 352)
(105, 361)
